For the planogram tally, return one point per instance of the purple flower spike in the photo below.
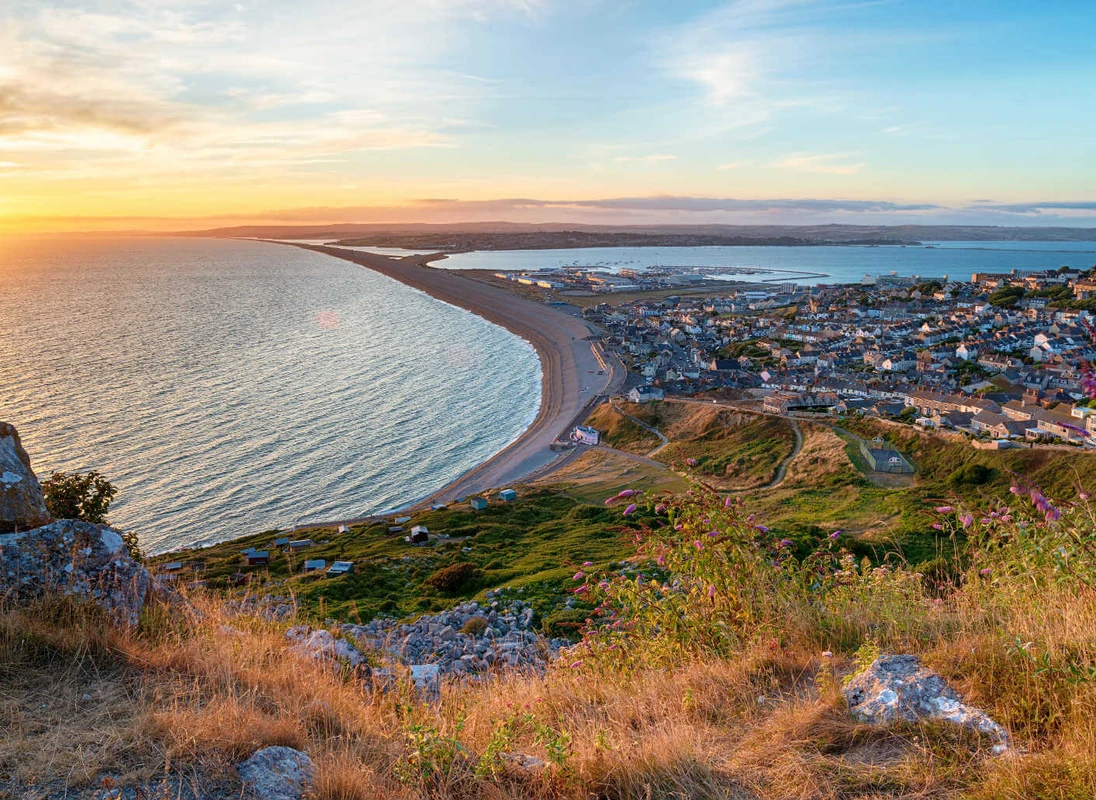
(579, 575)
(944, 509)
(836, 534)
(610, 501)
(786, 543)
(967, 520)
(626, 493)
(582, 589)
(985, 572)
(699, 545)
(727, 503)
(630, 509)
(713, 534)
(762, 528)
(711, 591)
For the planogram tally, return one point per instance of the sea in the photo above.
(806, 266)
(229, 387)
(232, 387)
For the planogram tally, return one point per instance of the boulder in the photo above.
(321, 645)
(78, 559)
(898, 687)
(22, 506)
(277, 773)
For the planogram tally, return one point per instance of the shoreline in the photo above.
(568, 348)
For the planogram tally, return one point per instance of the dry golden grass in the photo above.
(200, 695)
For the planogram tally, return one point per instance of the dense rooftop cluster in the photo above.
(1003, 356)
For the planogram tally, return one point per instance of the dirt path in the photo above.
(662, 438)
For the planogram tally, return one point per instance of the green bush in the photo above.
(972, 475)
(453, 578)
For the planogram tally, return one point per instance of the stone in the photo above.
(523, 762)
(322, 645)
(898, 687)
(277, 773)
(22, 506)
(77, 559)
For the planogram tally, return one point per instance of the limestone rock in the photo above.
(321, 645)
(22, 506)
(74, 558)
(898, 687)
(277, 773)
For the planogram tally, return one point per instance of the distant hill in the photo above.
(374, 234)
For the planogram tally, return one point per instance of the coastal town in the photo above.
(1001, 357)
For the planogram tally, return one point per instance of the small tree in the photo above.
(83, 496)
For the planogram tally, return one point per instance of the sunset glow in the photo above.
(167, 114)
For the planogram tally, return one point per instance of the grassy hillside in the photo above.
(533, 545)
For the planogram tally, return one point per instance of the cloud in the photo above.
(1036, 207)
(140, 88)
(820, 163)
(732, 165)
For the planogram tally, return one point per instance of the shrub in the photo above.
(474, 626)
(453, 578)
(972, 475)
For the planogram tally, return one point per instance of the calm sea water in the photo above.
(229, 387)
(804, 265)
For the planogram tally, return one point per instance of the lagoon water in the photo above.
(229, 387)
(803, 265)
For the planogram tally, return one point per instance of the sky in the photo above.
(171, 114)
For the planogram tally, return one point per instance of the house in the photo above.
(314, 564)
(646, 394)
(300, 544)
(258, 558)
(418, 535)
(343, 529)
(281, 541)
(401, 520)
(585, 435)
(341, 568)
(508, 495)
(478, 503)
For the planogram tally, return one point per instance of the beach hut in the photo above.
(508, 495)
(258, 558)
(300, 544)
(281, 541)
(479, 503)
(401, 520)
(344, 529)
(340, 568)
(314, 564)
(419, 534)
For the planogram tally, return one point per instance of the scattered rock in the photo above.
(522, 762)
(277, 773)
(77, 559)
(322, 645)
(503, 638)
(22, 505)
(898, 687)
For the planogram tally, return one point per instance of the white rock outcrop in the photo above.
(21, 503)
(898, 687)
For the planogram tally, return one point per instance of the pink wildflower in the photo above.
(728, 502)
(626, 493)
(938, 526)
(579, 575)
(699, 545)
(582, 589)
(944, 509)
(967, 520)
(711, 591)
(985, 572)
(630, 509)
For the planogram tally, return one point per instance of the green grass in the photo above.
(533, 545)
